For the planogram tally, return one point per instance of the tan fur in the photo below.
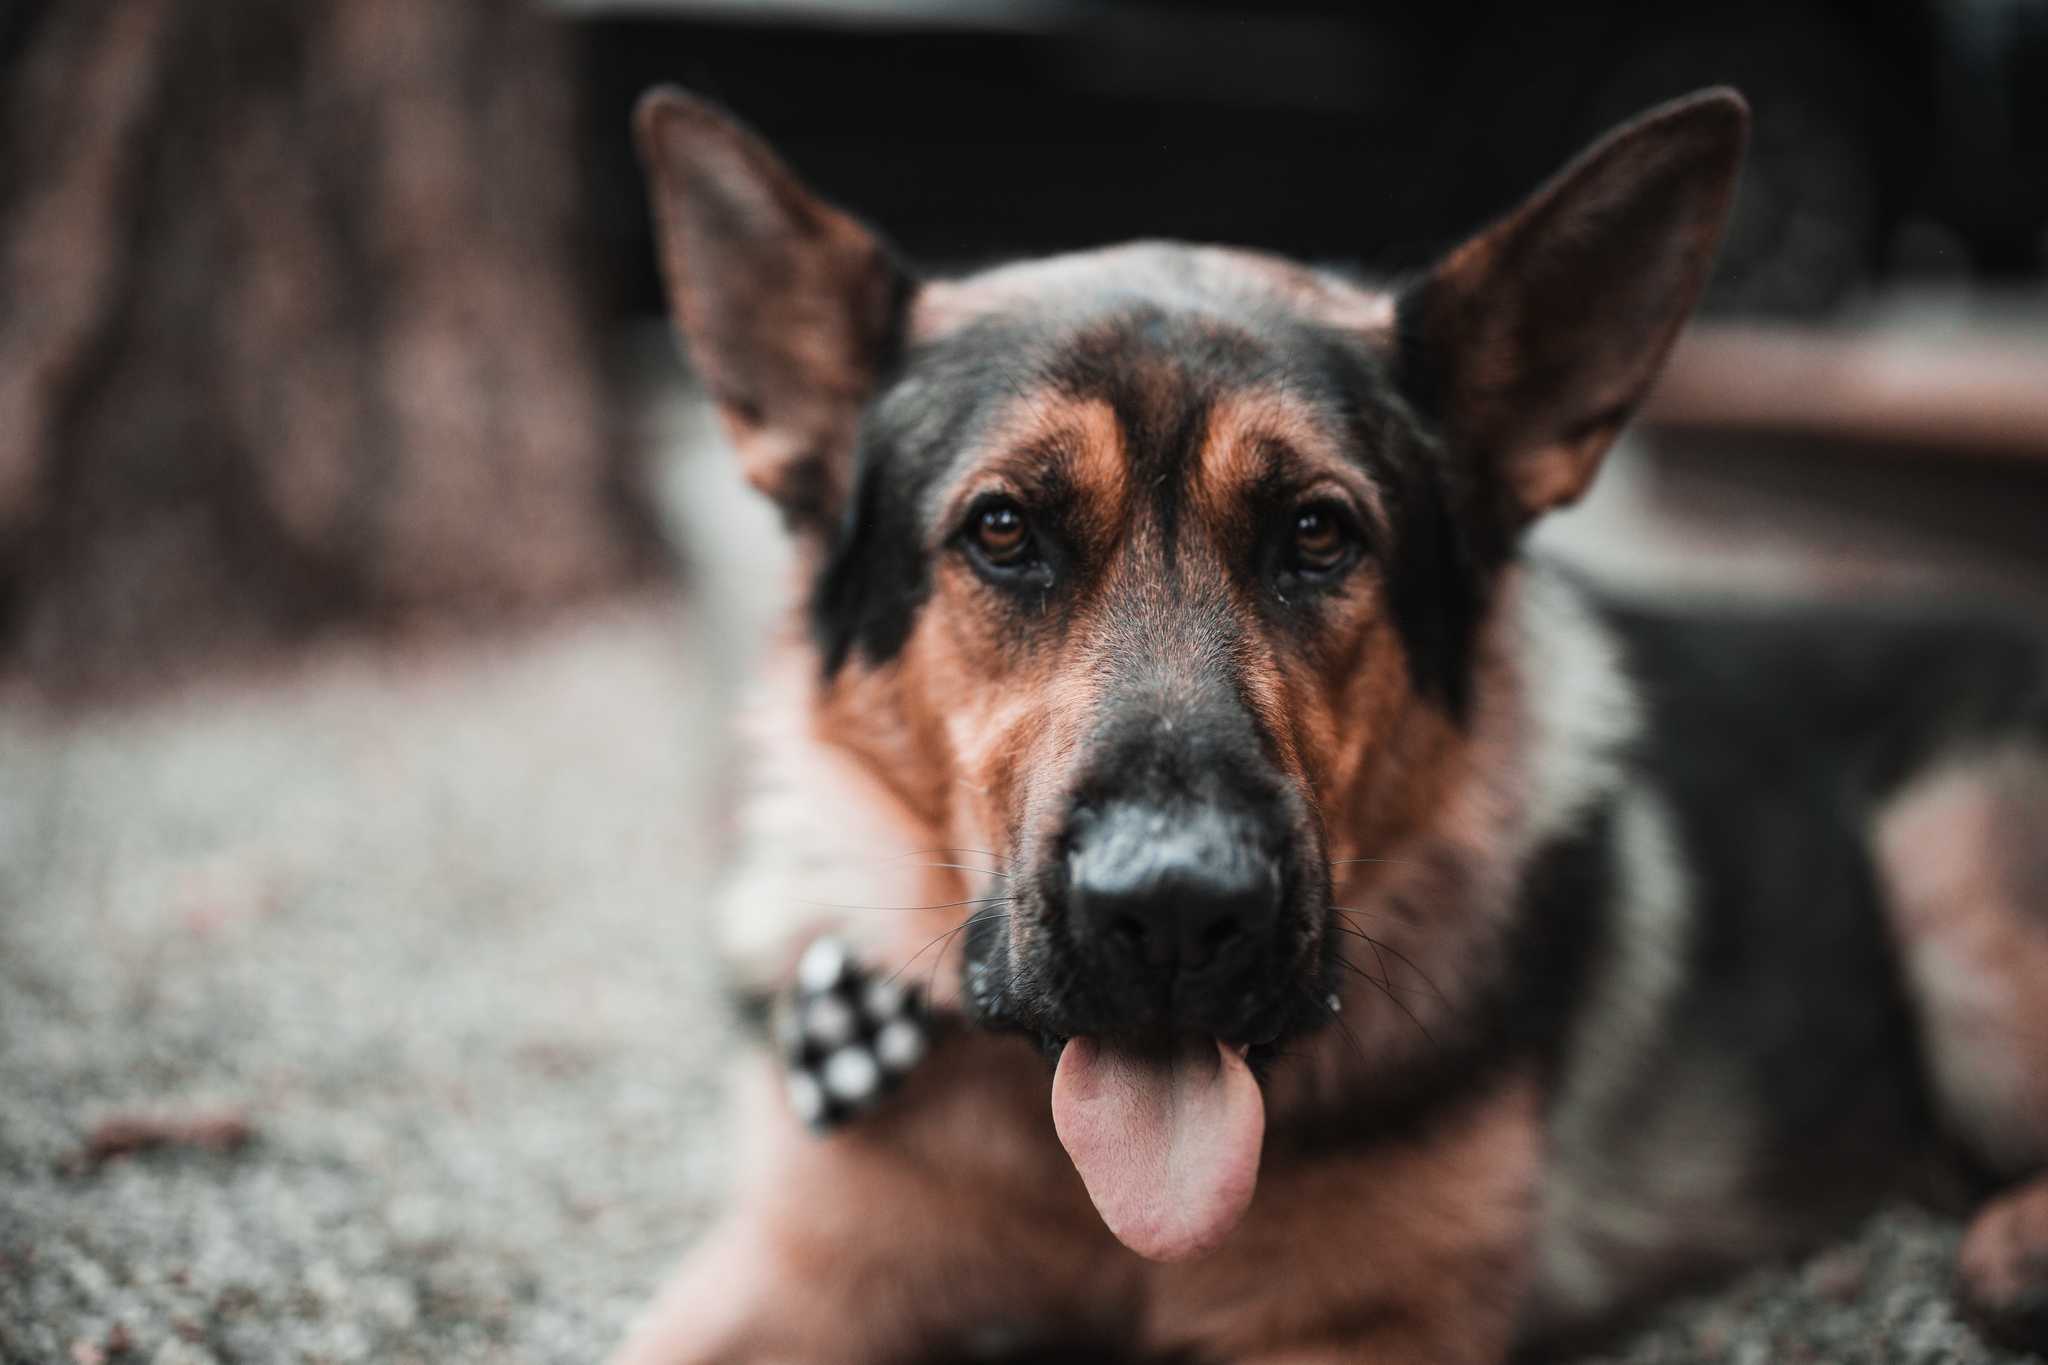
(2003, 1265)
(1419, 1250)
(961, 718)
(1250, 430)
(954, 1210)
(1967, 883)
(1339, 709)
(1438, 816)
(1043, 432)
(795, 875)
(1966, 880)
(785, 337)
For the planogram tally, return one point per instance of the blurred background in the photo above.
(373, 589)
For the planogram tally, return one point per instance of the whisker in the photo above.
(967, 867)
(1375, 946)
(1386, 990)
(1386, 980)
(1351, 1037)
(1355, 910)
(977, 852)
(1399, 956)
(903, 909)
(1337, 1017)
(931, 980)
(940, 938)
(1349, 965)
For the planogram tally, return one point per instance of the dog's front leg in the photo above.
(1399, 1344)
(712, 1310)
(1450, 1330)
(947, 1223)
(1418, 1247)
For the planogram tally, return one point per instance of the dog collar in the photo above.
(847, 1036)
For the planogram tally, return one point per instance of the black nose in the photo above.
(1170, 892)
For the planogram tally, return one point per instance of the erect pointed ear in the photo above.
(1532, 344)
(789, 308)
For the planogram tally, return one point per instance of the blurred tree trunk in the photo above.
(293, 329)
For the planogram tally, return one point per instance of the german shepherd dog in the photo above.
(1371, 945)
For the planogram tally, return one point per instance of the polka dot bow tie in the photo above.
(847, 1036)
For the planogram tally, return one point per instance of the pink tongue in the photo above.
(1166, 1142)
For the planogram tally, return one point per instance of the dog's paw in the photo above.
(848, 1036)
(2002, 1269)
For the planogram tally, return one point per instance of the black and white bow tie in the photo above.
(847, 1035)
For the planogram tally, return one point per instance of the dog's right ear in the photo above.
(788, 307)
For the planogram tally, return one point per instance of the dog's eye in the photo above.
(1322, 540)
(1001, 534)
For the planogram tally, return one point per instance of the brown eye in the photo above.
(1001, 533)
(1322, 540)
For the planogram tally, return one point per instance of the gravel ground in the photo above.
(425, 926)
(428, 926)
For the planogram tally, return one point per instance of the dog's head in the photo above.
(1156, 572)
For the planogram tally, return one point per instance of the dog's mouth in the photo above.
(1166, 1138)
(1164, 1126)
(1159, 1056)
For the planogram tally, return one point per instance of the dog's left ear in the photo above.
(1532, 344)
(789, 307)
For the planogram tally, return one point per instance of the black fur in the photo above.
(1774, 739)
(1520, 1017)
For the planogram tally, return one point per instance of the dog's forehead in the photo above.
(1139, 357)
(1164, 275)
